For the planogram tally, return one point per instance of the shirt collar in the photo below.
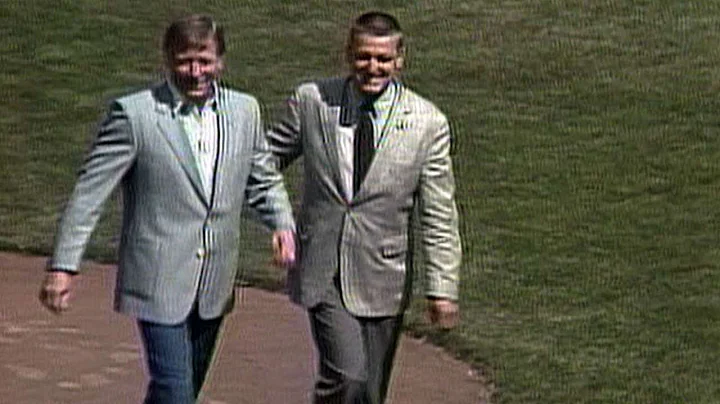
(178, 100)
(385, 97)
(353, 98)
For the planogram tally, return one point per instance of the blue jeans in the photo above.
(178, 357)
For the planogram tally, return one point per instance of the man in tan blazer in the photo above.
(187, 153)
(375, 152)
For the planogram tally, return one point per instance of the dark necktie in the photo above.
(364, 145)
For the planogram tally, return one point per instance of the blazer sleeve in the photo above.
(266, 195)
(111, 154)
(438, 215)
(284, 136)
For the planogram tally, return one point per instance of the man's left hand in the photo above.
(283, 242)
(444, 313)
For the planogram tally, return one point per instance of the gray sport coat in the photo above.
(178, 245)
(365, 243)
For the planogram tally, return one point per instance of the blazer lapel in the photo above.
(329, 123)
(228, 140)
(337, 98)
(398, 122)
(173, 132)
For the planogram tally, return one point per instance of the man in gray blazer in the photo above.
(187, 154)
(375, 152)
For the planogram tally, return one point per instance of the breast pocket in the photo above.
(399, 164)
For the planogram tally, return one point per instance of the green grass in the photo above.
(586, 154)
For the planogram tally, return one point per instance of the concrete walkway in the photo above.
(92, 355)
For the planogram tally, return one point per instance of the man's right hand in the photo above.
(283, 242)
(55, 291)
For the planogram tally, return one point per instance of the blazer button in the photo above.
(200, 253)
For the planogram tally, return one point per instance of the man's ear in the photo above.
(400, 59)
(399, 62)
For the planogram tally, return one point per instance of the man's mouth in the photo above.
(197, 85)
(373, 79)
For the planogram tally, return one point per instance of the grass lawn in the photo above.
(586, 154)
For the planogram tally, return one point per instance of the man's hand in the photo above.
(444, 313)
(283, 242)
(55, 291)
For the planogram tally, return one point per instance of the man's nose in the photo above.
(195, 69)
(373, 66)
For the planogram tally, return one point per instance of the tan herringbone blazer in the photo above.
(366, 241)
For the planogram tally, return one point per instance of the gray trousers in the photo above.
(355, 353)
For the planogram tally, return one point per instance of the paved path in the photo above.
(92, 355)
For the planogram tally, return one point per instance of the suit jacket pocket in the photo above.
(393, 266)
(140, 269)
(394, 248)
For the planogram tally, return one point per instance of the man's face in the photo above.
(374, 61)
(195, 69)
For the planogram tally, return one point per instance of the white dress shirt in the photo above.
(346, 137)
(200, 126)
